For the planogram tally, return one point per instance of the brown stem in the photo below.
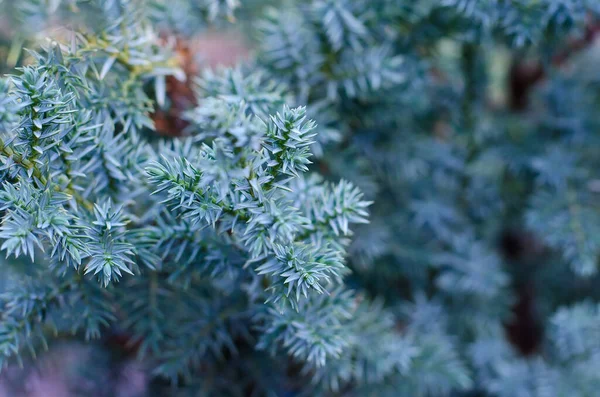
(524, 75)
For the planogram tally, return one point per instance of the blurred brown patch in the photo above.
(525, 74)
(206, 51)
(525, 332)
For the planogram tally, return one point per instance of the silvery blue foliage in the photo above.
(327, 221)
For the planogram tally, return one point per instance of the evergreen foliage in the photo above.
(328, 221)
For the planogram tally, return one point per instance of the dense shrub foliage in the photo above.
(390, 198)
